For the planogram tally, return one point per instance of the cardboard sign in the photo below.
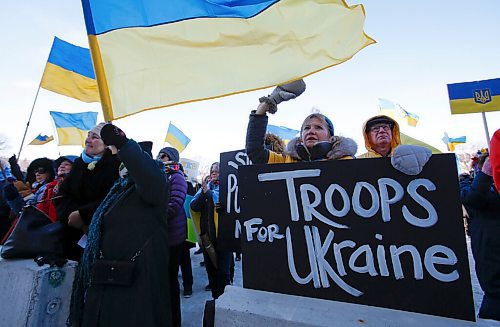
(357, 231)
(229, 226)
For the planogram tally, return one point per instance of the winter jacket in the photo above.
(482, 203)
(47, 204)
(136, 221)
(396, 139)
(83, 190)
(204, 203)
(341, 147)
(177, 226)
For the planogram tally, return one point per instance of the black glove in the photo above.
(13, 160)
(112, 135)
(282, 93)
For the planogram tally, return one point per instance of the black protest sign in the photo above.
(357, 231)
(229, 227)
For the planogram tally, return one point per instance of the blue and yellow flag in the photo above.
(41, 139)
(72, 129)
(452, 142)
(397, 112)
(149, 54)
(470, 97)
(176, 138)
(69, 72)
(285, 133)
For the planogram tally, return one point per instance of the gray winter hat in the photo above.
(172, 153)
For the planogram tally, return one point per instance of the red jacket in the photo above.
(495, 158)
(46, 204)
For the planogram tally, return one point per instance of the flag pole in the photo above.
(29, 119)
(485, 123)
(34, 102)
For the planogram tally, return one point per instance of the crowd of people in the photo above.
(124, 211)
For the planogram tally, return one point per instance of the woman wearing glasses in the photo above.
(177, 225)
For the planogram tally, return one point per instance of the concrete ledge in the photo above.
(245, 307)
(34, 296)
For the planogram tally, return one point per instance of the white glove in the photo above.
(410, 159)
(282, 93)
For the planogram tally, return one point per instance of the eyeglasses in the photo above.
(162, 156)
(377, 128)
(40, 170)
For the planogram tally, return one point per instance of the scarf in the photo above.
(88, 159)
(171, 167)
(92, 250)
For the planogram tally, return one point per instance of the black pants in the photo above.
(173, 267)
(219, 277)
(187, 271)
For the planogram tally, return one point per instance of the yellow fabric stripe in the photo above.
(197, 59)
(467, 106)
(71, 136)
(65, 82)
(39, 142)
(175, 142)
(95, 53)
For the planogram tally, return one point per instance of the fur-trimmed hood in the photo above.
(338, 147)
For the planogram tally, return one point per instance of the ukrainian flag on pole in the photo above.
(69, 72)
(155, 53)
(176, 138)
(471, 97)
(72, 129)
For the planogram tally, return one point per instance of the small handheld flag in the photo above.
(176, 138)
(397, 112)
(41, 139)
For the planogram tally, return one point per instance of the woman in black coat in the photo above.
(129, 226)
(90, 179)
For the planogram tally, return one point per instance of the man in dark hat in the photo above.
(381, 134)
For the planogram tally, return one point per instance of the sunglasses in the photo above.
(162, 156)
(40, 170)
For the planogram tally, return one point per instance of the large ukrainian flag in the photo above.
(72, 129)
(479, 96)
(155, 53)
(69, 72)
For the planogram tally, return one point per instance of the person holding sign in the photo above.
(205, 206)
(316, 141)
(382, 139)
(482, 202)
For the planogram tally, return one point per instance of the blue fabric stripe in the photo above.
(41, 137)
(461, 139)
(72, 58)
(178, 134)
(466, 90)
(81, 120)
(102, 16)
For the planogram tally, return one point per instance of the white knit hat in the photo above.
(97, 128)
